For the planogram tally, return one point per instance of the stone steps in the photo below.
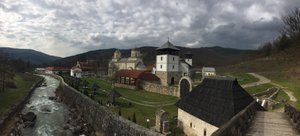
(271, 124)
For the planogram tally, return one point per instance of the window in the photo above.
(161, 66)
(173, 59)
(161, 58)
(204, 133)
(173, 66)
(191, 125)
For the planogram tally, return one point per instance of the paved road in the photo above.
(271, 124)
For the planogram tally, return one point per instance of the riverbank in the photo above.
(12, 101)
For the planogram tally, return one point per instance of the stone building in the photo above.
(208, 71)
(83, 68)
(210, 105)
(169, 66)
(134, 62)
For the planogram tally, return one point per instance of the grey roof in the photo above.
(216, 100)
(168, 45)
(211, 69)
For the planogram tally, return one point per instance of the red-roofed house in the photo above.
(83, 69)
(56, 70)
(131, 77)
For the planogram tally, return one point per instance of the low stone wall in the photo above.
(98, 116)
(15, 109)
(132, 87)
(157, 88)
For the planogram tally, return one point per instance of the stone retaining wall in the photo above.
(157, 88)
(99, 116)
(16, 108)
(132, 87)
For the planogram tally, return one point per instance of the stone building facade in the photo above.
(169, 66)
(193, 126)
(134, 62)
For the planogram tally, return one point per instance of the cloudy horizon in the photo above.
(65, 27)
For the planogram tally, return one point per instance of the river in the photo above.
(51, 115)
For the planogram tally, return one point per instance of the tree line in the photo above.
(8, 68)
(289, 35)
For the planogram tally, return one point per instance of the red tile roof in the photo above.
(57, 68)
(137, 74)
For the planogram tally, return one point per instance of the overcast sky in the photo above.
(69, 27)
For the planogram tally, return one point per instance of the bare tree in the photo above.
(292, 25)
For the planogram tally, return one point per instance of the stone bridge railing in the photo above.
(238, 124)
(293, 114)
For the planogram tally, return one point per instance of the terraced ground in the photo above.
(144, 104)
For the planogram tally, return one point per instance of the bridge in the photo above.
(254, 122)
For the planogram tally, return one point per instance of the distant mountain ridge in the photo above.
(204, 56)
(34, 57)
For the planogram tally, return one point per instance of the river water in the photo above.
(51, 115)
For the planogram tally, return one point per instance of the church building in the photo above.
(134, 62)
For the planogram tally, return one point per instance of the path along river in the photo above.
(51, 115)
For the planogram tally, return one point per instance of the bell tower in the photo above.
(167, 64)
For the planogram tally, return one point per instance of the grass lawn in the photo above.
(281, 97)
(286, 81)
(259, 88)
(142, 112)
(244, 78)
(11, 96)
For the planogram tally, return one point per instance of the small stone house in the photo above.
(210, 105)
(81, 69)
(208, 71)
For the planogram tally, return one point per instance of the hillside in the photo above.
(206, 56)
(33, 56)
(282, 68)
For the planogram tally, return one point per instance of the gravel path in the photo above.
(264, 80)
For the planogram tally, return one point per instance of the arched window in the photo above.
(191, 125)
(204, 133)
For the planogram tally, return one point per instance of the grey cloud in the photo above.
(97, 24)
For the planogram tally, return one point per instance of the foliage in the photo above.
(133, 118)
(290, 35)
(12, 96)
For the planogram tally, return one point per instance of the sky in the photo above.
(68, 27)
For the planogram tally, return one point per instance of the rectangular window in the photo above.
(161, 58)
(160, 66)
(173, 59)
(173, 66)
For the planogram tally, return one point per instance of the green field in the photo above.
(144, 104)
(11, 96)
(244, 78)
(259, 88)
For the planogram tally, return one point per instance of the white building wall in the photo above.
(167, 63)
(189, 61)
(193, 126)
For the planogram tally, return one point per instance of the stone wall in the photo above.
(99, 116)
(17, 108)
(132, 87)
(165, 77)
(193, 126)
(157, 88)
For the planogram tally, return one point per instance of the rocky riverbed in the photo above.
(46, 115)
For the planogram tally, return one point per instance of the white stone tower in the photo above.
(167, 64)
(117, 56)
(135, 53)
(188, 58)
